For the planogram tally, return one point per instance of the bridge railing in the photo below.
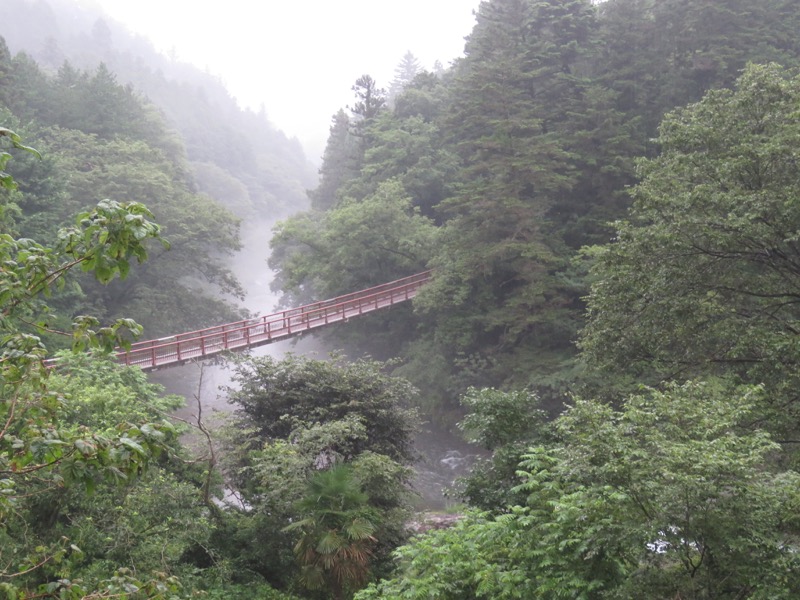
(247, 333)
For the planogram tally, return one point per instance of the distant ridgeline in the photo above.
(236, 156)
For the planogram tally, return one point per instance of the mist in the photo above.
(298, 60)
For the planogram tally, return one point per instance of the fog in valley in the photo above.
(269, 77)
(444, 456)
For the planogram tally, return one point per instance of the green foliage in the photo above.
(109, 237)
(100, 141)
(235, 590)
(521, 154)
(454, 563)
(671, 496)
(701, 277)
(99, 394)
(339, 163)
(149, 525)
(276, 398)
(297, 419)
(495, 173)
(357, 244)
(503, 286)
(200, 231)
(377, 231)
(370, 99)
(6, 180)
(118, 69)
(505, 423)
(336, 528)
(103, 241)
(659, 55)
(404, 73)
(43, 456)
(515, 154)
(497, 418)
(407, 144)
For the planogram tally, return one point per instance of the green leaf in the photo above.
(133, 445)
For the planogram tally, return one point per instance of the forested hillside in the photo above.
(608, 195)
(99, 140)
(601, 212)
(498, 171)
(114, 119)
(687, 488)
(234, 155)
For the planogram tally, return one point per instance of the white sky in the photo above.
(300, 57)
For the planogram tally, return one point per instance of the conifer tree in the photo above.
(498, 283)
(404, 73)
(338, 163)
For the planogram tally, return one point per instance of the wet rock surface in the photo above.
(432, 521)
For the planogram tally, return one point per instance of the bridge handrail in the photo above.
(418, 278)
(191, 341)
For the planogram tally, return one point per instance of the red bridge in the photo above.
(178, 349)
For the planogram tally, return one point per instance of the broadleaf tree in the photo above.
(296, 419)
(37, 450)
(670, 496)
(703, 276)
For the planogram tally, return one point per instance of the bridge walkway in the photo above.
(241, 335)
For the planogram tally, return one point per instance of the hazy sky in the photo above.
(300, 57)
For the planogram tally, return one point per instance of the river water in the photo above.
(444, 456)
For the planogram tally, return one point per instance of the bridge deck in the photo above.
(204, 343)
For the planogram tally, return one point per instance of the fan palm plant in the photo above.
(335, 545)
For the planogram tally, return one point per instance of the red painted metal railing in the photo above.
(178, 349)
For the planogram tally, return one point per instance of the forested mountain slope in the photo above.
(114, 119)
(688, 487)
(236, 156)
(100, 141)
(668, 469)
(499, 170)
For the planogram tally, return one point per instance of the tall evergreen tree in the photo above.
(499, 284)
(404, 73)
(370, 99)
(661, 54)
(338, 163)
